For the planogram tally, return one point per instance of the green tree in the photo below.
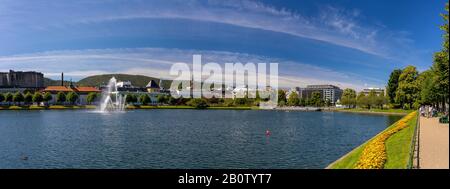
(198, 103)
(161, 99)
(37, 98)
(372, 99)
(362, 100)
(392, 86)
(240, 101)
(130, 99)
(9, 98)
(302, 102)
(281, 97)
(2, 97)
(28, 98)
(91, 97)
(60, 97)
(293, 99)
(144, 99)
(172, 100)
(380, 100)
(18, 98)
(349, 98)
(407, 91)
(316, 99)
(429, 92)
(441, 66)
(327, 102)
(72, 97)
(47, 97)
(257, 96)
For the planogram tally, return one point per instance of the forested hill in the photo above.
(98, 80)
(136, 80)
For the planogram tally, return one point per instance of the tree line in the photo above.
(28, 98)
(371, 100)
(293, 99)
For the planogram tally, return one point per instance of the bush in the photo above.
(198, 103)
(144, 99)
(37, 98)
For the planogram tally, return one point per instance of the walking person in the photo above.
(430, 111)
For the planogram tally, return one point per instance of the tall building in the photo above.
(327, 92)
(13, 79)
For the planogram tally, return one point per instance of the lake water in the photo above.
(181, 138)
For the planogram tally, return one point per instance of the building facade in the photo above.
(81, 91)
(13, 79)
(377, 91)
(327, 92)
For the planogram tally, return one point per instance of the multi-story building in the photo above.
(327, 92)
(377, 91)
(13, 79)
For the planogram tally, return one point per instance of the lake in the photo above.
(182, 138)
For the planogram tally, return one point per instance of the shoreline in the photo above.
(149, 107)
(382, 112)
(355, 152)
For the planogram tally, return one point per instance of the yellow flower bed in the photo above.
(374, 154)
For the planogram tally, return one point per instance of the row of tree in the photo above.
(294, 99)
(28, 98)
(408, 88)
(371, 100)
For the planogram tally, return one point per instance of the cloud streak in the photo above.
(156, 62)
(332, 25)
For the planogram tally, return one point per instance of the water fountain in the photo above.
(112, 100)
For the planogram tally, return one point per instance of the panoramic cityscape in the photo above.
(224, 85)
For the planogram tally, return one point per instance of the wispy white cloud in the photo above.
(156, 62)
(338, 26)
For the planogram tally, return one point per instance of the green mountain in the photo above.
(136, 80)
(51, 82)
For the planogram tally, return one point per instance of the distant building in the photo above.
(377, 91)
(327, 92)
(81, 91)
(19, 79)
(127, 86)
(152, 87)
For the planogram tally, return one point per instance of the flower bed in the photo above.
(374, 154)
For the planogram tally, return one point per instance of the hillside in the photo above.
(136, 80)
(51, 82)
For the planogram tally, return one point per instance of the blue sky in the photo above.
(349, 43)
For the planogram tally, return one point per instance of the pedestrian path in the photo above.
(433, 144)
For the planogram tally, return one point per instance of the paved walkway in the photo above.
(434, 144)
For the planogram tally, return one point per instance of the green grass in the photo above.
(16, 108)
(350, 160)
(397, 148)
(361, 110)
(398, 153)
(57, 107)
(34, 107)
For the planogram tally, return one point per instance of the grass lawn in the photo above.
(360, 110)
(34, 107)
(397, 148)
(398, 153)
(16, 108)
